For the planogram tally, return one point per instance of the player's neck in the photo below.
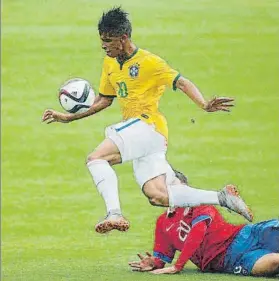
(129, 51)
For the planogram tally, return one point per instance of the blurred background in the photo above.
(49, 202)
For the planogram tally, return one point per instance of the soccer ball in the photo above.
(76, 95)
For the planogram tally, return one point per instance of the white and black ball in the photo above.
(76, 95)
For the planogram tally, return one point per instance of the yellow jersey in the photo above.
(138, 83)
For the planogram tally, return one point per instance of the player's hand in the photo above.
(145, 264)
(219, 104)
(51, 116)
(166, 270)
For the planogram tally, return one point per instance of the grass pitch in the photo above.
(49, 204)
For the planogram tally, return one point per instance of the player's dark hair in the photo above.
(115, 22)
(180, 176)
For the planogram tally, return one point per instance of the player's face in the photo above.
(113, 46)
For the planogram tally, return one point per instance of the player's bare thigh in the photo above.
(156, 191)
(267, 265)
(108, 151)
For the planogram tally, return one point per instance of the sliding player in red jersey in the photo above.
(212, 244)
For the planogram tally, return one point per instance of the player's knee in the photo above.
(156, 191)
(267, 265)
(92, 157)
(271, 270)
(158, 200)
(274, 264)
(154, 201)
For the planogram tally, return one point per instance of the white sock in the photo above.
(105, 180)
(181, 195)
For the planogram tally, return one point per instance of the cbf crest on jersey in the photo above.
(134, 70)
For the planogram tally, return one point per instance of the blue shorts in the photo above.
(251, 243)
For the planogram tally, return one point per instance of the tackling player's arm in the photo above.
(163, 252)
(201, 220)
(192, 243)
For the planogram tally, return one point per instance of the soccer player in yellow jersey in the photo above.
(138, 78)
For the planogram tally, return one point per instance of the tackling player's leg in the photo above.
(255, 250)
(267, 265)
(268, 239)
(99, 165)
(180, 176)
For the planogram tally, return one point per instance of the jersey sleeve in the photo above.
(163, 74)
(163, 249)
(192, 243)
(204, 213)
(105, 88)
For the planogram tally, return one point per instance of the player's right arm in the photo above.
(163, 252)
(104, 100)
(100, 103)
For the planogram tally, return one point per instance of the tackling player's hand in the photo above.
(219, 104)
(145, 264)
(51, 116)
(166, 270)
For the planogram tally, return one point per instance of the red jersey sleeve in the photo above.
(203, 213)
(193, 242)
(163, 249)
(201, 218)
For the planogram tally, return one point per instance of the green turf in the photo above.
(49, 204)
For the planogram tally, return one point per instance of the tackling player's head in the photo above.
(115, 31)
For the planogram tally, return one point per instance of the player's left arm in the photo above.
(192, 243)
(163, 74)
(191, 90)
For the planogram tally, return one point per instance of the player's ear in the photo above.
(124, 38)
